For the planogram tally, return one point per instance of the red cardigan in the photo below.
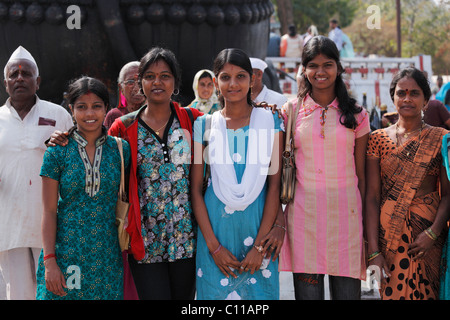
(126, 127)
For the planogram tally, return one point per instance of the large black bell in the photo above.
(115, 32)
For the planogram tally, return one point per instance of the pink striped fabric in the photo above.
(324, 224)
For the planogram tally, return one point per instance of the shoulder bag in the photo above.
(122, 204)
(288, 158)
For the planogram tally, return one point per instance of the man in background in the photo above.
(335, 33)
(260, 92)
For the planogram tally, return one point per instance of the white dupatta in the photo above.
(238, 196)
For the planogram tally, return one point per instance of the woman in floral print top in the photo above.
(160, 219)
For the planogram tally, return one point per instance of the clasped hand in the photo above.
(229, 264)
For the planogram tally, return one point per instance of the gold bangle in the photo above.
(429, 232)
(373, 256)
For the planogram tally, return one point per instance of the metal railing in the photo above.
(370, 76)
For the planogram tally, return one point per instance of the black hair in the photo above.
(292, 30)
(84, 85)
(155, 54)
(235, 57)
(323, 45)
(418, 76)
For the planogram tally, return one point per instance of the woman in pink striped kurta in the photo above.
(324, 222)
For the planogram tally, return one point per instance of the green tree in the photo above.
(425, 26)
(319, 12)
(427, 29)
(367, 40)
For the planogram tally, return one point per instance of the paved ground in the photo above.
(2, 288)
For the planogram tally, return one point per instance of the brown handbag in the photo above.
(122, 204)
(288, 159)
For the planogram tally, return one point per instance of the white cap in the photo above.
(21, 54)
(258, 64)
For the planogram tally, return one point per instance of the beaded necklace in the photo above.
(406, 135)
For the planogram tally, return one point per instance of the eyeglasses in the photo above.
(130, 83)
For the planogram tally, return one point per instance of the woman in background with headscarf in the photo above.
(205, 96)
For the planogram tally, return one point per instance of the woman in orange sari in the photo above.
(407, 201)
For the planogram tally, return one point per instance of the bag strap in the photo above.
(191, 116)
(290, 130)
(208, 119)
(287, 147)
(122, 169)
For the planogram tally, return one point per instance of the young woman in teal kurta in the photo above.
(81, 236)
(235, 216)
(237, 231)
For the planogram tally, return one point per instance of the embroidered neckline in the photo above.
(92, 176)
(83, 142)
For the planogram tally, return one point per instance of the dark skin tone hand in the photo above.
(58, 138)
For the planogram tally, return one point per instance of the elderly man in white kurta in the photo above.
(25, 123)
(260, 92)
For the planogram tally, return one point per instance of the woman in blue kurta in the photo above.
(81, 257)
(235, 216)
(444, 288)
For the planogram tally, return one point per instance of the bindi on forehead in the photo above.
(406, 90)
